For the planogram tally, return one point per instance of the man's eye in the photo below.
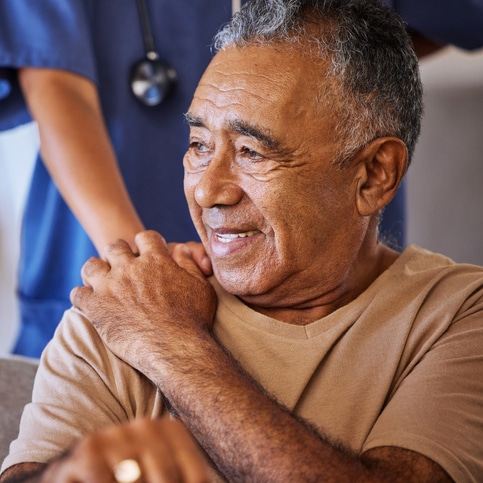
(199, 147)
(251, 153)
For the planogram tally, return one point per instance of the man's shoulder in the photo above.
(416, 259)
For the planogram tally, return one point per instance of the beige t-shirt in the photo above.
(401, 365)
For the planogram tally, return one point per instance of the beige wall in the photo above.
(445, 182)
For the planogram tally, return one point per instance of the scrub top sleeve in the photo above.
(46, 34)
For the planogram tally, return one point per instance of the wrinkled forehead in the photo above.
(271, 79)
(254, 67)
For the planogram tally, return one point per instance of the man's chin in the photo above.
(238, 282)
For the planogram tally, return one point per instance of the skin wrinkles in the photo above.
(256, 132)
(235, 183)
(309, 245)
(272, 147)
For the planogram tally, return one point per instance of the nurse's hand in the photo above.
(195, 250)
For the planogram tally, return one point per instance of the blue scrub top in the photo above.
(101, 40)
(454, 22)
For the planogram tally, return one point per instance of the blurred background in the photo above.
(445, 181)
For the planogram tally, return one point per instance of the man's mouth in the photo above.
(229, 237)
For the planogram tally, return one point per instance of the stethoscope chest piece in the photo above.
(152, 81)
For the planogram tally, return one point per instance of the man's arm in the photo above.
(250, 437)
(165, 332)
(78, 154)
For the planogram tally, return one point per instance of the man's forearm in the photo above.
(247, 434)
(250, 437)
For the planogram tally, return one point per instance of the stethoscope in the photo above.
(152, 79)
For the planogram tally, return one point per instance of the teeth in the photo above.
(228, 237)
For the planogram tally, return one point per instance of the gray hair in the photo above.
(379, 89)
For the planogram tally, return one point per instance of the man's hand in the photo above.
(162, 450)
(145, 306)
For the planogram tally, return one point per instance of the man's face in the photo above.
(275, 215)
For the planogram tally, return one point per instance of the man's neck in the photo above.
(307, 312)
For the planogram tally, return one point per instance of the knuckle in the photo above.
(74, 294)
(90, 266)
(118, 245)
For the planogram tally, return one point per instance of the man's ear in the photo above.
(381, 166)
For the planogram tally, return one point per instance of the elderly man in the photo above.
(315, 353)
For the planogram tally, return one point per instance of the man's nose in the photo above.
(219, 184)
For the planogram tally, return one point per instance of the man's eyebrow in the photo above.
(245, 129)
(255, 132)
(193, 121)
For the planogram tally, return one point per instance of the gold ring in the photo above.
(127, 471)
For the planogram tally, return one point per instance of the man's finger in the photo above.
(174, 456)
(150, 241)
(117, 249)
(189, 457)
(79, 295)
(92, 268)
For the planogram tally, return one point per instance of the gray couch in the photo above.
(16, 380)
